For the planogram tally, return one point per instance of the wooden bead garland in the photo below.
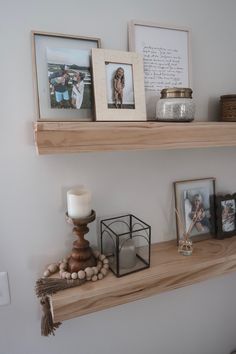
(90, 273)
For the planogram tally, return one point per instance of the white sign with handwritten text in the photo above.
(166, 60)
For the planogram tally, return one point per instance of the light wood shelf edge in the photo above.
(168, 271)
(72, 137)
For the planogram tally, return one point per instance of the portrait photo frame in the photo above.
(166, 51)
(63, 79)
(195, 208)
(118, 98)
(226, 215)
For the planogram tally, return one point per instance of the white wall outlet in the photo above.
(4, 289)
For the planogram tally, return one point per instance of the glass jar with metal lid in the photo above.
(175, 105)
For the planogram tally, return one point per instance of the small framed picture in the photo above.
(166, 58)
(63, 76)
(118, 86)
(195, 208)
(226, 215)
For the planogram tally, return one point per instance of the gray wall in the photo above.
(199, 319)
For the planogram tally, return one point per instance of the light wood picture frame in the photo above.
(63, 76)
(191, 196)
(118, 98)
(166, 51)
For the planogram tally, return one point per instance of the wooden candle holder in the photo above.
(81, 256)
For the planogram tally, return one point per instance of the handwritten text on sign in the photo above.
(163, 67)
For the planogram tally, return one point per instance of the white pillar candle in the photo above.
(78, 203)
(128, 254)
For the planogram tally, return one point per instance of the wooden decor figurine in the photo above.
(84, 264)
(80, 214)
(82, 255)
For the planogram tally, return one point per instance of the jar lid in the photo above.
(176, 92)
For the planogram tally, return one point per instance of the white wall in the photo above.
(199, 319)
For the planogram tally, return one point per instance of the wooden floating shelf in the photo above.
(68, 137)
(168, 271)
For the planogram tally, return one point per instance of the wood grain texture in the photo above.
(72, 137)
(168, 271)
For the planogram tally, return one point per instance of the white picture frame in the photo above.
(131, 63)
(163, 47)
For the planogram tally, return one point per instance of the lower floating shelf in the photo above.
(168, 271)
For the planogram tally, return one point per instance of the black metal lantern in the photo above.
(126, 241)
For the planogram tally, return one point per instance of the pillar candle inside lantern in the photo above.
(128, 254)
(78, 203)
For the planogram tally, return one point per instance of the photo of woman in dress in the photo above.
(78, 90)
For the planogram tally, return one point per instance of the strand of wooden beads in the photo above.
(90, 273)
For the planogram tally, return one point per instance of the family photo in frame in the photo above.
(194, 203)
(63, 76)
(70, 84)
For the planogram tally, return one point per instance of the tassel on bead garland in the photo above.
(48, 286)
(47, 325)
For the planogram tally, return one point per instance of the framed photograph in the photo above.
(118, 86)
(63, 77)
(226, 215)
(195, 203)
(166, 56)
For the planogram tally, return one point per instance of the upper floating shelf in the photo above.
(68, 137)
